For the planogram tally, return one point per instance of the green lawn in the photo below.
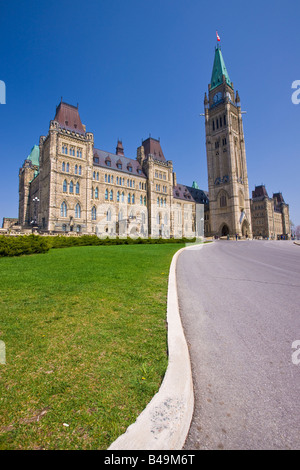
(85, 335)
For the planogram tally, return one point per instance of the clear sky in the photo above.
(140, 67)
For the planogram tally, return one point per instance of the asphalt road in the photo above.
(240, 309)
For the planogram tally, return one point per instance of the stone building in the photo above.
(270, 216)
(66, 184)
(229, 202)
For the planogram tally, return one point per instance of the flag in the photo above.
(218, 37)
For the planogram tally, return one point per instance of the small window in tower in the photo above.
(220, 121)
(213, 124)
(217, 121)
(224, 120)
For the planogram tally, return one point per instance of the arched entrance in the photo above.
(245, 229)
(224, 230)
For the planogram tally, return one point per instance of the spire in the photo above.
(219, 71)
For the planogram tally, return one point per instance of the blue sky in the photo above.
(139, 67)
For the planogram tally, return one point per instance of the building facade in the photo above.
(66, 184)
(270, 216)
(229, 202)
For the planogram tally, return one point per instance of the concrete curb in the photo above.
(165, 422)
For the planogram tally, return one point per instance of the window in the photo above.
(117, 180)
(77, 211)
(78, 228)
(77, 188)
(158, 202)
(129, 198)
(64, 227)
(108, 179)
(119, 165)
(145, 200)
(76, 169)
(94, 213)
(224, 120)
(108, 162)
(141, 200)
(224, 141)
(68, 167)
(97, 176)
(97, 193)
(92, 192)
(223, 201)
(79, 154)
(213, 124)
(94, 175)
(79, 170)
(118, 196)
(106, 194)
(65, 186)
(63, 166)
(123, 197)
(129, 168)
(111, 195)
(71, 187)
(105, 178)
(139, 171)
(220, 121)
(133, 199)
(63, 210)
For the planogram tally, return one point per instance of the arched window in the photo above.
(64, 227)
(97, 175)
(128, 198)
(65, 186)
(141, 200)
(105, 178)
(145, 200)
(106, 194)
(94, 213)
(133, 199)
(123, 197)
(97, 193)
(63, 209)
(94, 175)
(68, 167)
(158, 202)
(63, 166)
(76, 168)
(111, 195)
(223, 200)
(77, 211)
(71, 187)
(77, 188)
(118, 196)
(79, 170)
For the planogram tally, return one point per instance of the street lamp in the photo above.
(35, 201)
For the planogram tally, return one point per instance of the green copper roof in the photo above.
(34, 155)
(219, 69)
(195, 185)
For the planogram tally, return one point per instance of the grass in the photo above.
(86, 340)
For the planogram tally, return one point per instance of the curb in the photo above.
(165, 422)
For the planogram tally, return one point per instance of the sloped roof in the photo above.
(190, 194)
(34, 155)
(152, 146)
(260, 192)
(219, 69)
(68, 117)
(114, 159)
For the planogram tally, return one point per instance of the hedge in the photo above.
(30, 244)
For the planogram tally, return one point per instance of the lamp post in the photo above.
(35, 202)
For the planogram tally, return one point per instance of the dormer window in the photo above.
(129, 168)
(108, 161)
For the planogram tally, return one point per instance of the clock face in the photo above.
(217, 97)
